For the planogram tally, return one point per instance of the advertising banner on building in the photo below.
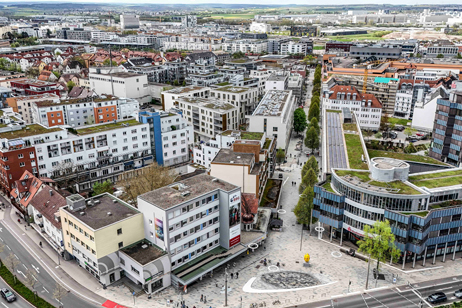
(234, 220)
(159, 229)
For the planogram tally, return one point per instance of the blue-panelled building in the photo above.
(424, 209)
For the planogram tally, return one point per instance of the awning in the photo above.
(128, 163)
(15, 143)
(111, 304)
(147, 158)
(276, 223)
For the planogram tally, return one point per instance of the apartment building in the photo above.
(277, 81)
(274, 44)
(129, 21)
(189, 21)
(204, 79)
(303, 30)
(425, 110)
(403, 104)
(208, 116)
(120, 84)
(34, 87)
(197, 219)
(379, 52)
(81, 112)
(171, 136)
(205, 152)
(76, 34)
(295, 84)
(367, 107)
(274, 116)
(260, 27)
(245, 46)
(24, 104)
(169, 97)
(335, 46)
(303, 47)
(448, 51)
(244, 98)
(192, 43)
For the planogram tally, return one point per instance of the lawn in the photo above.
(251, 136)
(233, 16)
(363, 176)
(435, 175)
(421, 214)
(104, 127)
(328, 187)
(356, 37)
(403, 188)
(355, 152)
(334, 111)
(319, 47)
(350, 126)
(442, 182)
(396, 121)
(29, 130)
(402, 156)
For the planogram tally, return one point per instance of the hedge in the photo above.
(21, 289)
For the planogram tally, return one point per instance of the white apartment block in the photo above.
(168, 98)
(192, 217)
(120, 84)
(292, 47)
(244, 98)
(206, 152)
(367, 107)
(260, 27)
(129, 21)
(209, 116)
(403, 104)
(245, 46)
(277, 81)
(175, 142)
(274, 116)
(24, 104)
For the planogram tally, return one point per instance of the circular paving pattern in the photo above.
(253, 245)
(289, 280)
(282, 211)
(273, 268)
(336, 254)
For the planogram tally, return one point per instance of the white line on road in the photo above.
(421, 298)
(4, 305)
(8, 247)
(365, 301)
(2, 241)
(25, 266)
(45, 290)
(35, 268)
(58, 301)
(405, 298)
(285, 181)
(16, 256)
(19, 272)
(444, 289)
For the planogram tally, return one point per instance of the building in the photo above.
(189, 21)
(76, 34)
(129, 21)
(95, 229)
(403, 104)
(379, 52)
(244, 98)
(169, 97)
(81, 112)
(24, 190)
(205, 152)
(274, 45)
(205, 79)
(208, 116)
(448, 51)
(367, 107)
(171, 136)
(197, 219)
(277, 81)
(260, 27)
(303, 47)
(424, 111)
(335, 46)
(274, 116)
(295, 84)
(245, 46)
(303, 30)
(120, 84)
(447, 137)
(24, 104)
(34, 87)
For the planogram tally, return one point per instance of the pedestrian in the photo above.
(205, 299)
(25, 227)
(202, 298)
(232, 275)
(237, 275)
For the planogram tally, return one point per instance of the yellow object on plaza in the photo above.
(307, 258)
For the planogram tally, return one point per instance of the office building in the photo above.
(129, 21)
(303, 47)
(260, 27)
(302, 30)
(379, 52)
(189, 21)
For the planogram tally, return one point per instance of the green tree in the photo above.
(308, 180)
(458, 56)
(409, 131)
(3, 63)
(32, 72)
(313, 163)
(184, 83)
(57, 74)
(280, 156)
(411, 55)
(313, 112)
(312, 139)
(108, 63)
(70, 84)
(48, 33)
(176, 83)
(314, 123)
(384, 120)
(440, 56)
(101, 188)
(299, 120)
(238, 55)
(309, 60)
(303, 208)
(315, 100)
(378, 243)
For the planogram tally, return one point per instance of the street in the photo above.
(18, 303)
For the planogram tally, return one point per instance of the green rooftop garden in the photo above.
(1, 113)
(238, 60)
(29, 130)
(435, 175)
(334, 111)
(223, 84)
(421, 214)
(355, 152)
(362, 175)
(403, 156)
(350, 126)
(396, 121)
(440, 182)
(251, 136)
(267, 144)
(105, 127)
(328, 187)
(233, 89)
(403, 188)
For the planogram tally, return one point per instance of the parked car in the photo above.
(437, 297)
(458, 293)
(391, 135)
(399, 128)
(8, 295)
(420, 134)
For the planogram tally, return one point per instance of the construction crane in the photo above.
(365, 81)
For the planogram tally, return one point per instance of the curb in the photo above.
(17, 294)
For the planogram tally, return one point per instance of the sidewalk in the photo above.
(74, 278)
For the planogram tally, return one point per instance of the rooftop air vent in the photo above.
(144, 246)
(109, 214)
(82, 213)
(185, 193)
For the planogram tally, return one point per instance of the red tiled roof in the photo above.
(251, 201)
(375, 103)
(48, 201)
(23, 186)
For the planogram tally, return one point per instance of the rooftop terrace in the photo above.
(106, 126)
(143, 252)
(272, 104)
(183, 90)
(210, 103)
(233, 89)
(29, 130)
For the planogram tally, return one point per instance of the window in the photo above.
(119, 231)
(22, 164)
(20, 156)
(121, 244)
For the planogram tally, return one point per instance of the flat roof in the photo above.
(184, 89)
(272, 104)
(384, 79)
(232, 89)
(228, 156)
(143, 251)
(119, 74)
(29, 130)
(336, 148)
(210, 103)
(277, 77)
(104, 213)
(85, 130)
(185, 190)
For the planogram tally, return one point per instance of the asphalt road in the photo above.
(397, 297)
(45, 284)
(18, 303)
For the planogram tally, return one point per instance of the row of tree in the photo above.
(304, 207)
(313, 131)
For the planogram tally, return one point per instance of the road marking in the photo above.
(19, 272)
(365, 301)
(16, 256)
(58, 301)
(25, 266)
(4, 305)
(382, 304)
(285, 181)
(2, 241)
(8, 247)
(1, 229)
(444, 289)
(45, 290)
(405, 297)
(421, 298)
(398, 290)
(35, 268)
(50, 271)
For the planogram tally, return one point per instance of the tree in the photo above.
(184, 83)
(31, 281)
(4, 63)
(147, 179)
(176, 83)
(315, 100)
(101, 188)
(440, 56)
(309, 59)
(314, 123)
(304, 205)
(458, 56)
(308, 180)
(313, 112)
(280, 156)
(108, 63)
(311, 163)
(411, 55)
(299, 120)
(32, 72)
(12, 263)
(59, 293)
(48, 33)
(70, 84)
(238, 55)
(384, 122)
(379, 243)
(312, 139)
(57, 74)
(409, 131)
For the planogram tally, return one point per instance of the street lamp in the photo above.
(226, 287)
(311, 222)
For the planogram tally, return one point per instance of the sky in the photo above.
(301, 2)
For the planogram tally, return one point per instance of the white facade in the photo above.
(245, 46)
(403, 104)
(274, 116)
(129, 21)
(277, 81)
(292, 47)
(171, 96)
(244, 98)
(176, 143)
(55, 235)
(424, 111)
(206, 152)
(260, 27)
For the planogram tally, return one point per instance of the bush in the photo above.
(23, 290)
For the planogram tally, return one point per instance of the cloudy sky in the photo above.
(306, 2)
